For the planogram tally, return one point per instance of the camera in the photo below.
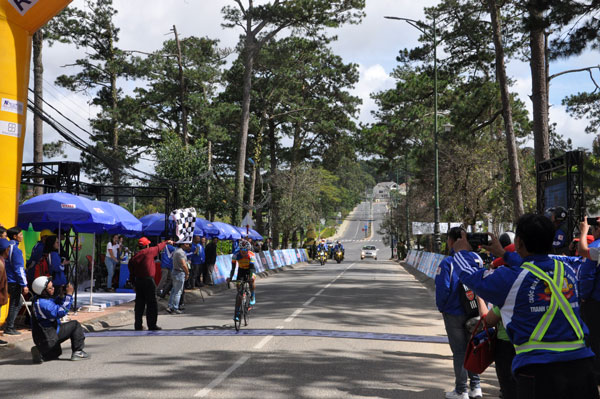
(478, 239)
(592, 221)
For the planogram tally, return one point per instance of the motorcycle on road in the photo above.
(339, 256)
(322, 257)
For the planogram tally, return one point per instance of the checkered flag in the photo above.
(185, 222)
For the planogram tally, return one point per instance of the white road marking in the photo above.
(202, 393)
(320, 292)
(309, 301)
(296, 313)
(263, 342)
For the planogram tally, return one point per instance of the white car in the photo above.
(368, 251)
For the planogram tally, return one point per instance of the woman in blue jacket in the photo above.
(55, 264)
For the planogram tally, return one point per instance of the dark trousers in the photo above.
(560, 380)
(14, 292)
(70, 330)
(503, 357)
(145, 299)
(194, 280)
(590, 312)
(207, 273)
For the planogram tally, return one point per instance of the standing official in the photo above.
(17, 281)
(141, 274)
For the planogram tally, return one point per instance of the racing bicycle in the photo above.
(243, 299)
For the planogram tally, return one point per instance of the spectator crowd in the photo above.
(542, 295)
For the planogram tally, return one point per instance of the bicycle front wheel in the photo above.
(246, 309)
(237, 321)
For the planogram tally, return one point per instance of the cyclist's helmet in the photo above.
(245, 245)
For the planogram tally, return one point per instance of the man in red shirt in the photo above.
(141, 274)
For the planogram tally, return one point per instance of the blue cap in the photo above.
(4, 244)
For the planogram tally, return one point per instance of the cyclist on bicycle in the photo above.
(246, 267)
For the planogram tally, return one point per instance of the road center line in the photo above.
(320, 292)
(205, 391)
(309, 301)
(296, 313)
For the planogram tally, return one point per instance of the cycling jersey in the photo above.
(246, 264)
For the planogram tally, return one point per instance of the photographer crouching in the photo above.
(47, 330)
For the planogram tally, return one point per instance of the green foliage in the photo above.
(185, 167)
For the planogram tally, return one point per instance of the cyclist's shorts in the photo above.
(246, 272)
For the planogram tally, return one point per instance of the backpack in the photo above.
(42, 268)
(467, 298)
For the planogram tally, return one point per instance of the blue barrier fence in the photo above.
(266, 260)
(425, 262)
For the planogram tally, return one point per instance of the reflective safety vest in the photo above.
(557, 301)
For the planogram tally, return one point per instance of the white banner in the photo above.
(425, 228)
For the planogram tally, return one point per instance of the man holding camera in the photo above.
(448, 292)
(539, 303)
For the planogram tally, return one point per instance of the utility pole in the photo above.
(182, 90)
(38, 93)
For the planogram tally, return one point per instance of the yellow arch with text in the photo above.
(19, 20)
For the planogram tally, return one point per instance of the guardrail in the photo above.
(266, 260)
(425, 262)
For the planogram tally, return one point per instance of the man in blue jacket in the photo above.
(46, 328)
(447, 298)
(539, 304)
(166, 266)
(17, 281)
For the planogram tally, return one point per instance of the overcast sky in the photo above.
(373, 45)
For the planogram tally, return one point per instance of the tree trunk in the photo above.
(286, 239)
(511, 145)
(116, 169)
(539, 87)
(273, 171)
(38, 124)
(249, 53)
(209, 214)
(182, 91)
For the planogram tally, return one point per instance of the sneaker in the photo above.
(11, 331)
(177, 311)
(169, 310)
(475, 393)
(155, 328)
(139, 328)
(36, 356)
(253, 300)
(3, 343)
(65, 319)
(456, 395)
(79, 355)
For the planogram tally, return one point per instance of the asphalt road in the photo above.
(296, 345)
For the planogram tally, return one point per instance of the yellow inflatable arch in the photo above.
(19, 19)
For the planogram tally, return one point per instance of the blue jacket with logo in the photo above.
(57, 269)
(50, 310)
(197, 259)
(447, 286)
(166, 257)
(523, 300)
(15, 265)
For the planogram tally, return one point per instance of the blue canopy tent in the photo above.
(250, 233)
(204, 228)
(126, 223)
(153, 224)
(228, 232)
(58, 210)
(61, 210)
